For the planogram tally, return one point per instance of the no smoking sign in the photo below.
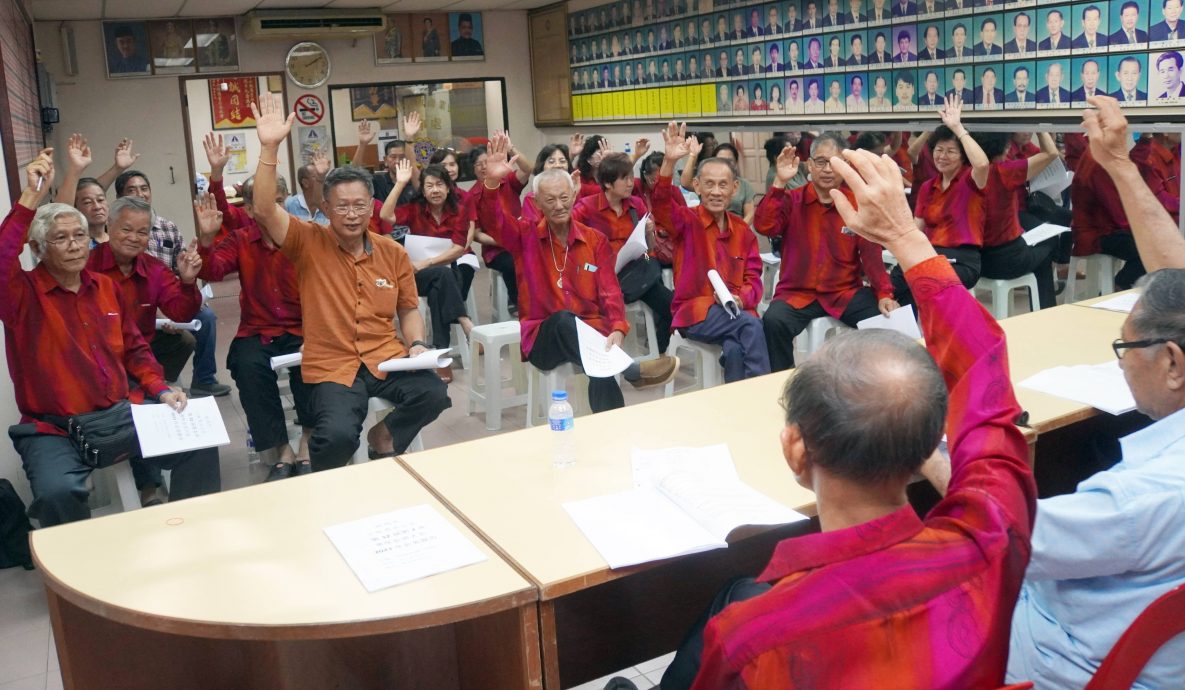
(309, 109)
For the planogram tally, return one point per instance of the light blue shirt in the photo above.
(297, 206)
(1101, 555)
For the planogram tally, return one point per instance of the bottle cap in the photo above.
(559, 395)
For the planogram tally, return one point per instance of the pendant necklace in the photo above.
(559, 269)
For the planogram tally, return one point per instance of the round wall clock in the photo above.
(307, 65)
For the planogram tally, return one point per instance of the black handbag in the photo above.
(103, 437)
(639, 275)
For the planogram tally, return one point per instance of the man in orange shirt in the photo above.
(353, 284)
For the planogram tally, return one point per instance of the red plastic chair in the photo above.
(1163, 620)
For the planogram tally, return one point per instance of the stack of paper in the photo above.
(686, 500)
(1121, 303)
(1053, 180)
(1101, 386)
(420, 247)
(162, 430)
(1043, 232)
(596, 359)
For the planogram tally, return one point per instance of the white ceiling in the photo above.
(61, 10)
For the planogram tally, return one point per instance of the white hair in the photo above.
(550, 176)
(46, 220)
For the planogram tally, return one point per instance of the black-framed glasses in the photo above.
(1119, 345)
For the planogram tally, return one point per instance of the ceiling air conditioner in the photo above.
(287, 24)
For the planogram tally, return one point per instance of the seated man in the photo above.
(709, 237)
(306, 204)
(1099, 224)
(879, 594)
(822, 268)
(353, 284)
(1158, 156)
(565, 272)
(74, 346)
(615, 212)
(269, 306)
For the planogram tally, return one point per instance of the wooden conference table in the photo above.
(243, 590)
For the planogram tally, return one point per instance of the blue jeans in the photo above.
(204, 366)
(742, 339)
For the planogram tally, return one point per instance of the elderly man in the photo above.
(823, 269)
(708, 239)
(73, 343)
(269, 304)
(878, 593)
(565, 272)
(306, 204)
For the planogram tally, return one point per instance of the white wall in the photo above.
(201, 122)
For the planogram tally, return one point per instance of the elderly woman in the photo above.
(73, 348)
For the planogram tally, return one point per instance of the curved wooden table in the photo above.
(243, 590)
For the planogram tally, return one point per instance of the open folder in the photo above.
(723, 294)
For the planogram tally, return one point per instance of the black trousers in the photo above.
(556, 344)
(658, 298)
(249, 362)
(684, 667)
(464, 275)
(338, 412)
(172, 350)
(966, 262)
(1123, 246)
(439, 285)
(1017, 258)
(504, 264)
(783, 322)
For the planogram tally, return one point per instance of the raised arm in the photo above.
(641, 148)
(1048, 154)
(125, 157)
(321, 166)
(494, 222)
(272, 128)
(1158, 238)
(772, 213)
(217, 261)
(78, 157)
(403, 172)
(952, 116)
(39, 176)
(694, 148)
(217, 155)
(916, 145)
(412, 122)
(523, 167)
(366, 135)
(668, 214)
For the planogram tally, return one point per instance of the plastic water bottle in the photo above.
(252, 453)
(560, 418)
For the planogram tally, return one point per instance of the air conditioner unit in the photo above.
(288, 24)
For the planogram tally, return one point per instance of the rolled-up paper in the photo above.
(429, 359)
(282, 361)
(194, 325)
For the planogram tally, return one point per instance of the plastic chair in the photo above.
(116, 488)
(499, 299)
(816, 333)
(1100, 277)
(486, 381)
(1163, 620)
(540, 384)
(1001, 289)
(638, 314)
(379, 408)
(770, 274)
(707, 371)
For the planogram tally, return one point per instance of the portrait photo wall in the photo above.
(430, 37)
(145, 48)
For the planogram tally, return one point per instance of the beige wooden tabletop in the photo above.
(506, 487)
(254, 563)
(1104, 298)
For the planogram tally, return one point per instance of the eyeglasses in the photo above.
(822, 163)
(359, 210)
(1119, 345)
(67, 240)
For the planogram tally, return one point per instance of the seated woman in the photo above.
(435, 212)
(447, 159)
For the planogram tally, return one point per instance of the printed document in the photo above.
(901, 320)
(1101, 386)
(634, 247)
(1122, 303)
(1043, 232)
(163, 430)
(420, 247)
(594, 359)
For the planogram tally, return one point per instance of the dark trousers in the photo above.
(338, 412)
(249, 362)
(204, 366)
(464, 275)
(967, 265)
(172, 350)
(556, 344)
(58, 477)
(439, 285)
(1123, 246)
(658, 298)
(504, 264)
(684, 667)
(1017, 258)
(741, 339)
(783, 322)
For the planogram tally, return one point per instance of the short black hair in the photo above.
(392, 144)
(870, 141)
(943, 133)
(545, 153)
(993, 143)
(121, 182)
(613, 167)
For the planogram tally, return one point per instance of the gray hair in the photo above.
(129, 203)
(305, 172)
(248, 189)
(732, 166)
(344, 175)
(46, 219)
(870, 406)
(551, 176)
(832, 138)
(1159, 313)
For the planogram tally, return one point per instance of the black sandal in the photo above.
(280, 470)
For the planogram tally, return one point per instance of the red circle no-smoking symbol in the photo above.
(309, 109)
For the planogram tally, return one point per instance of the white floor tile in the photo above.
(656, 664)
(36, 682)
(23, 655)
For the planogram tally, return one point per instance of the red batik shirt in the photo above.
(1160, 167)
(596, 213)
(896, 601)
(1001, 208)
(953, 216)
(68, 353)
(1095, 205)
(148, 287)
(700, 246)
(269, 296)
(453, 223)
(819, 262)
(512, 207)
(590, 289)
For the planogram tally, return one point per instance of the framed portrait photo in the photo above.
(127, 48)
(393, 46)
(466, 40)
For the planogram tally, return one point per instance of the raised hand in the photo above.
(189, 263)
(883, 216)
(952, 113)
(366, 133)
(694, 147)
(498, 163)
(78, 154)
(209, 218)
(674, 139)
(320, 163)
(38, 179)
(786, 165)
(125, 155)
(575, 144)
(403, 171)
(411, 125)
(216, 153)
(271, 126)
(1106, 128)
(641, 147)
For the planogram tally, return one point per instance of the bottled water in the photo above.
(560, 419)
(252, 453)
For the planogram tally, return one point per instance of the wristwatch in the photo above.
(421, 343)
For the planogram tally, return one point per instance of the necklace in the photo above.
(559, 268)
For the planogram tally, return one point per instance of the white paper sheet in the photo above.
(723, 296)
(207, 291)
(713, 462)
(722, 506)
(593, 357)
(1101, 386)
(901, 320)
(770, 259)
(404, 545)
(420, 247)
(162, 430)
(428, 359)
(1123, 303)
(1052, 181)
(194, 325)
(469, 260)
(292, 360)
(634, 247)
(1043, 232)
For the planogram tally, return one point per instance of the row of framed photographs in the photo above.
(763, 19)
(170, 46)
(430, 37)
(1056, 83)
(1050, 31)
